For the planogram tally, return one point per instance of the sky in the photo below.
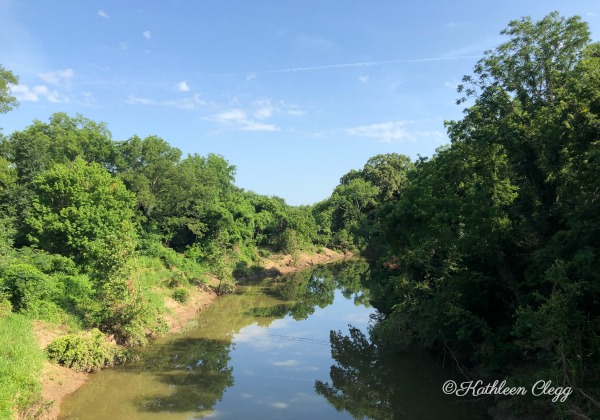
(293, 93)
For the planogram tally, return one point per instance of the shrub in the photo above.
(181, 295)
(85, 351)
(29, 290)
(131, 320)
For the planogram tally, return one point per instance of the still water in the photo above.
(295, 347)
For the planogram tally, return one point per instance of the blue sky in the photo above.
(293, 93)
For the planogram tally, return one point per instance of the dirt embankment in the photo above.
(58, 381)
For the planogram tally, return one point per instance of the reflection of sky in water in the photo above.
(281, 363)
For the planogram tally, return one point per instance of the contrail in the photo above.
(345, 65)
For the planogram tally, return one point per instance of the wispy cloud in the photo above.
(88, 99)
(392, 132)
(147, 34)
(57, 76)
(453, 24)
(256, 116)
(33, 94)
(452, 85)
(103, 14)
(316, 43)
(475, 50)
(183, 86)
(358, 64)
(123, 45)
(237, 119)
(364, 79)
(287, 363)
(193, 102)
(264, 109)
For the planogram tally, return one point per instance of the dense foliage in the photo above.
(489, 250)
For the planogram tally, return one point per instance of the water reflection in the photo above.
(196, 371)
(305, 291)
(369, 383)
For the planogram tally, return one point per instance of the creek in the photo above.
(292, 347)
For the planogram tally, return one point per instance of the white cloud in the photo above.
(280, 405)
(254, 117)
(147, 34)
(123, 45)
(250, 76)
(23, 93)
(57, 76)
(388, 132)
(264, 109)
(134, 100)
(34, 94)
(453, 24)
(287, 363)
(237, 119)
(231, 115)
(295, 112)
(103, 14)
(56, 97)
(394, 131)
(364, 79)
(192, 102)
(183, 86)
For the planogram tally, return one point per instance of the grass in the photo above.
(20, 365)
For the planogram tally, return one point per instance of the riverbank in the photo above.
(57, 382)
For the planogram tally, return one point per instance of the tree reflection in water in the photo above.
(370, 383)
(358, 377)
(197, 371)
(306, 290)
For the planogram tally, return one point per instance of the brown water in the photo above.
(266, 352)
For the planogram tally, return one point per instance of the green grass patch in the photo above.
(20, 365)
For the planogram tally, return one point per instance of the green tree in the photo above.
(61, 140)
(7, 100)
(493, 242)
(81, 211)
(145, 166)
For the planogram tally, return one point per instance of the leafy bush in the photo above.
(29, 290)
(85, 351)
(181, 295)
(132, 319)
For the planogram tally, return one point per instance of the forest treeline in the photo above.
(487, 251)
